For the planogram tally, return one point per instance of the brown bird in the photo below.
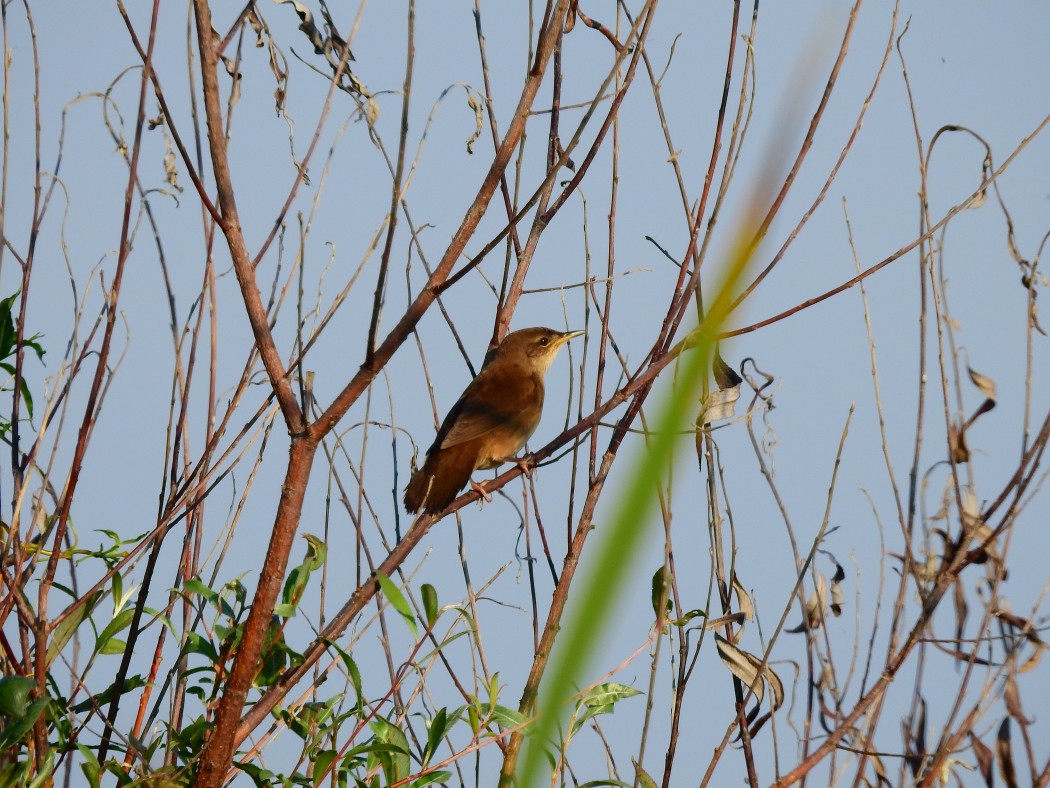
(494, 417)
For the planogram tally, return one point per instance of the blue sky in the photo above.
(971, 64)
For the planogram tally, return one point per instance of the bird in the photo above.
(493, 418)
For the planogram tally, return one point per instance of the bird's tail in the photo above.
(434, 486)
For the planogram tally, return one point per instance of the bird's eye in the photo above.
(544, 341)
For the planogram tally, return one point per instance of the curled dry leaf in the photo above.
(986, 386)
(958, 452)
(984, 383)
(836, 589)
(306, 24)
(334, 49)
(721, 403)
(475, 102)
(971, 509)
(1032, 312)
(725, 376)
(1027, 630)
(743, 599)
(746, 666)
(171, 171)
(718, 405)
(817, 605)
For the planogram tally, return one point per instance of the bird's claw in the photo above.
(480, 491)
(522, 463)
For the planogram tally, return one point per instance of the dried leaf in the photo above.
(1035, 321)
(725, 376)
(984, 383)
(1012, 701)
(836, 589)
(816, 606)
(957, 449)
(915, 740)
(745, 667)
(257, 25)
(171, 171)
(743, 599)
(306, 24)
(983, 753)
(1006, 758)
(475, 103)
(719, 404)
(742, 665)
(1037, 654)
(962, 609)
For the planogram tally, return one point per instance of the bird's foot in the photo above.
(524, 463)
(480, 490)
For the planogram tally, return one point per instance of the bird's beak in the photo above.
(563, 338)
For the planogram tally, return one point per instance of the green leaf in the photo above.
(118, 591)
(120, 622)
(45, 772)
(284, 610)
(7, 326)
(430, 603)
(644, 780)
(397, 601)
(113, 646)
(609, 693)
(508, 718)
(321, 763)
(130, 684)
(68, 627)
(163, 619)
(395, 760)
(354, 671)
(316, 552)
(493, 690)
(661, 590)
(263, 778)
(16, 729)
(14, 695)
(197, 588)
(600, 700)
(90, 766)
(196, 644)
(433, 777)
(435, 733)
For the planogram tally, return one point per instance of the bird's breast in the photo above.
(507, 440)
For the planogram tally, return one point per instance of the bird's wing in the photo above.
(486, 406)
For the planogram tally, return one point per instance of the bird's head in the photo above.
(534, 347)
